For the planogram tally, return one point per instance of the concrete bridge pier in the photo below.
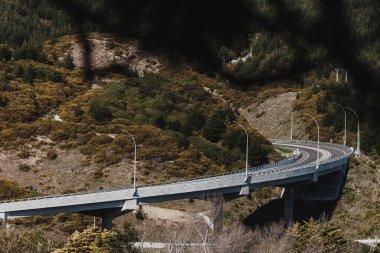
(107, 222)
(218, 202)
(288, 199)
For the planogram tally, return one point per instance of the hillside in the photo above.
(75, 74)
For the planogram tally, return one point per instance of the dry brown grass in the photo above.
(357, 213)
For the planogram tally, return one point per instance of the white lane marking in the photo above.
(325, 153)
(286, 166)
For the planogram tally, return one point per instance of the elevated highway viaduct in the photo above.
(299, 175)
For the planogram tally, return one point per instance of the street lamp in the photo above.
(345, 123)
(246, 151)
(318, 139)
(135, 163)
(358, 136)
(291, 127)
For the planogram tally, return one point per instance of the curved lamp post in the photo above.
(291, 127)
(318, 138)
(135, 163)
(345, 123)
(358, 136)
(246, 151)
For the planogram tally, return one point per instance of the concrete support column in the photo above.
(218, 202)
(107, 222)
(288, 199)
(347, 166)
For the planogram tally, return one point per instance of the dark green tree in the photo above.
(214, 127)
(258, 153)
(5, 53)
(3, 101)
(19, 71)
(99, 110)
(29, 74)
(78, 111)
(321, 105)
(68, 62)
(196, 118)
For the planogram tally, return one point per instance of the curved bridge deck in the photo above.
(299, 168)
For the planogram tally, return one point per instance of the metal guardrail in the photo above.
(282, 168)
(326, 144)
(285, 161)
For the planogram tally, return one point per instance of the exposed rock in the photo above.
(123, 53)
(272, 117)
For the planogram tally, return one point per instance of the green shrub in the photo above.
(54, 76)
(51, 154)
(174, 125)
(328, 118)
(78, 111)
(214, 127)
(11, 190)
(4, 84)
(99, 110)
(68, 62)
(29, 74)
(5, 53)
(59, 135)
(19, 71)
(100, 139)
(3, 101)
(140, 215)
(32, 53)
(314, 235)
(97, 174)
(214, 152)
(258, 154)
(195, 118)
(257, 150)
(235, 138)
(99, 240)
(321, 105)
(27, 241)
(24, 167)
(182, 140)
(33, 221)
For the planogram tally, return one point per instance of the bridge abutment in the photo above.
(288, 199)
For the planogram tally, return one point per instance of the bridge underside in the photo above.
(328, 188)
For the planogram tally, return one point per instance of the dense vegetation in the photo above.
(291, 40)
(183, 130)
(175, 108)
(177, 121)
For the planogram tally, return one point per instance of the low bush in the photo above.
(11, 190)
(51, 154)
(216, 153)
(24, 167)
(24, 154)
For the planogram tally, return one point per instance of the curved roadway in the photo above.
(295, 169)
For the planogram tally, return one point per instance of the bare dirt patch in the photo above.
(272, 116)
(67, 172)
